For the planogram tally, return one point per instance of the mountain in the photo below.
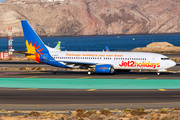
(91, 17)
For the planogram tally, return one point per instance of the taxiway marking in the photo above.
(28, 89)
(85, 78)
(162, 89)
(142, 78)
(32, 77)
(91, 89)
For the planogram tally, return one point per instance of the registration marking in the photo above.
(91, 89)
(162, 89)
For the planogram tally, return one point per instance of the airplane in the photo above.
(58, 46)
(95, 61)
(107, 49)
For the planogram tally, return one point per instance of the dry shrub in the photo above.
(138, 111)
(81, 119)
(175, 108)
(34, 114)
(127, 110)
(15, 111)
(34, 68)
(23, 68)
(39, 68)
(115, 110)
(163, 111)
(80, 112)
(3, 110)
(89, 113)
(8, 115)
(105, 112)
(48, 114)
(25, 116)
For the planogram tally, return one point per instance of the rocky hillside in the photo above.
(91, 17)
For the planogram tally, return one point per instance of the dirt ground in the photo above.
(105, 114)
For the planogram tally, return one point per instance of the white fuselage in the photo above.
(119, 60)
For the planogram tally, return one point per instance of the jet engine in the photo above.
(104, 68)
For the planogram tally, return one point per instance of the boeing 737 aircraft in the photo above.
(107, 49)
(95, 62)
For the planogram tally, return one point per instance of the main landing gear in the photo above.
(158, 73)
(90, 71)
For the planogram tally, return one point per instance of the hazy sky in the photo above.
(2, 0)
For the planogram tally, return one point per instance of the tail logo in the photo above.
(31, 48)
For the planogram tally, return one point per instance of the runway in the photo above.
(83, 75)
(71, 99)
(59, 99)
(55, 72)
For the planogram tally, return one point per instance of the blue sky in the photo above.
(2, 0)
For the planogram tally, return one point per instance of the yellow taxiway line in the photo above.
(91, 89)
(162, 89)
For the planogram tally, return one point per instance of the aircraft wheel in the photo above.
(89, 73)
(158, 73)
(112, 70)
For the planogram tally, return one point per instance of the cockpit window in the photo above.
(164, 58)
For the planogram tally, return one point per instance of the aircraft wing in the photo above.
(70, 62)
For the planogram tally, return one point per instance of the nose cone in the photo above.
(172, 63)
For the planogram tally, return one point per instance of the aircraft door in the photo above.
(153, 61)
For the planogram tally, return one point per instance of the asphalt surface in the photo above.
(59, 99)
(83, 75)
(55, 72)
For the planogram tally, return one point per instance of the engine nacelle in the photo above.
(104, 68)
